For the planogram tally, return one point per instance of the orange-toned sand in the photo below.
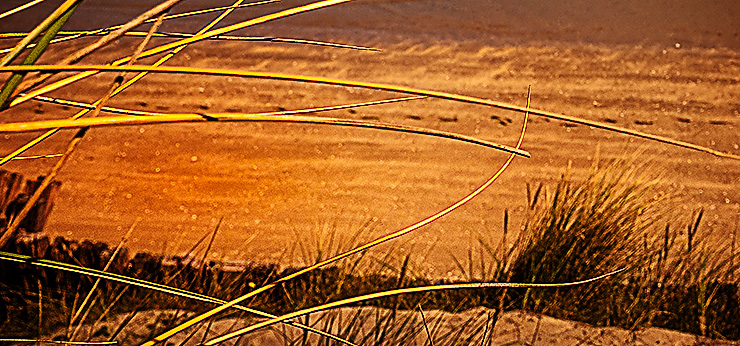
(659, 67)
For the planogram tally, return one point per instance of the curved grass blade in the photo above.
(62, 342)
(181, 43)
(20, 8)
(71, 35)
(401, 291)
(37, 157)
(351, 252)
(283, 116)
(222, 38)
(148, 285)
(122, 87)
(377, 86)
(20, 46)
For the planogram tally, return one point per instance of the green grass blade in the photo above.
(20, 46)
(34, 55)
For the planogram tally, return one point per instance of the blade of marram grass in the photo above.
(124, 86)
(390, 293)
(148, 285)
(15, 80)
(71, 35)
(221, 38)
(58, 342)
(351, 252)
(20, 8)
(37, 157)
(75, 141)
(103, 41)
(20, 46)
(183, 42)
(377, 86)
(283, 116)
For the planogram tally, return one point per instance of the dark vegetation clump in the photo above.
(607, 221)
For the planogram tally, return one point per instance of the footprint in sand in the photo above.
(719, 122)
(501, 121)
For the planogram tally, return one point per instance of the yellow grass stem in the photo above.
(367, 85)
(36, 157)
(20, 8)
(183, 42)
(61, 342)
(79, 54)
(351, 252)
(409, 290)
(20, 46)
(120, 88)
(149, 285)
(283, 116)
(104, 31)
(15, 80)
(219, 37)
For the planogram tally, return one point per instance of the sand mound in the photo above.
(469, 327)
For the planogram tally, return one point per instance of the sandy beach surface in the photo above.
(474, 326)
(663, 67)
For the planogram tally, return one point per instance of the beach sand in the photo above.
(655, 66)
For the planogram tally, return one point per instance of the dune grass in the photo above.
(568, 261)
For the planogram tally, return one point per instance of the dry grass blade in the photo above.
(285, 116)
(426, 327)
(152, 286)
(378, 86)
(20, 46)
(36, 157)
(351, 252)
(216, 38)
(182, 43)
(15, 80)
(62, 342)
(20, 8)
(164, 6)
(401, 291)
(98, 104)
(103, 31)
